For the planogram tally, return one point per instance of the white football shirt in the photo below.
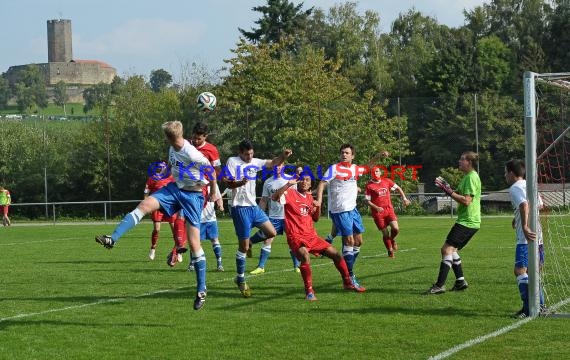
(517, 191)
(209, 211)
(343, 188)
(275, 208)
(187, 166)
(238, 169)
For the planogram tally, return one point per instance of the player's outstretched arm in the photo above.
(277, 194)
(279, 160)
(233, 184)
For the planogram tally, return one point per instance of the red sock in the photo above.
(343, 270)
(154, 239)
(307, 276)
(180, 232)
(387, 243)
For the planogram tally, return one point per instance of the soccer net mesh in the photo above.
(553, 184)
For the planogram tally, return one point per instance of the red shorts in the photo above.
(4, 209)
(159, 216)
(382, 219)
(313, 243)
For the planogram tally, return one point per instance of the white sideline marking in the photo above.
(39, 241)
(25, 315)
(480, 339)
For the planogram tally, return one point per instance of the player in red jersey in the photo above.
(210, 151)
(161, 178)
(377, 193)
(300, 212)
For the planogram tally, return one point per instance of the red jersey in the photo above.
(210, 151)
(298, 210)
(379, 193)
(152, 185)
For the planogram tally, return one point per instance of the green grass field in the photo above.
(50, 110)
(62, 296)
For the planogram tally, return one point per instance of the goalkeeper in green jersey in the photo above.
(5, 201)
(468, 196)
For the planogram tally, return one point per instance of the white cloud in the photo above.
(141, 37)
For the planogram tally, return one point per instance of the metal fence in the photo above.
(422, 204)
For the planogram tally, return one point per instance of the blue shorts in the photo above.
(245, 218)
(172, 199)
(278, 224)
(348, 223)
(521, 255)
(209, 230)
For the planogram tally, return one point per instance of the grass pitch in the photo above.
(62, 296)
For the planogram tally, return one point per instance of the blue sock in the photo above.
(329, 239)
(296, 262)
(200, 268)
(257, 237)
(348, 256)
(240, 265)
(218, 252)
(129, 221)
(523, 290)
(264, 255)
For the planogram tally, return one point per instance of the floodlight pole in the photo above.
(531, 189)
(476, 133)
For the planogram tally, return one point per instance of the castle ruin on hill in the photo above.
(77, 74)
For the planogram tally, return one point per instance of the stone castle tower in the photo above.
(61, 66)
(59, 41)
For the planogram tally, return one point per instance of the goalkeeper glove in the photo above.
(443, 185)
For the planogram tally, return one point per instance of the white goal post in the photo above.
(538, 151)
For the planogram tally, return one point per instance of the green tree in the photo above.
(450, 73)
(159, 79)
(410, 46)
(297, 101)
(30, 90)
(280, 19)
(493, 61)
(116, 85)
(97, 96)
(451, 131)
(557, 43)
(352, 40)
(522, 26)
(60, 95)
(4, 92)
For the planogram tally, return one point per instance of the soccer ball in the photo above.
(206, 101)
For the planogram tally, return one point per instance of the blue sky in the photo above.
(138, 36)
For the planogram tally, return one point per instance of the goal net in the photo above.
(547, 152)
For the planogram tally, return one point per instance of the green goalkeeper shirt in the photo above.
(4, 197)
(470, 216)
